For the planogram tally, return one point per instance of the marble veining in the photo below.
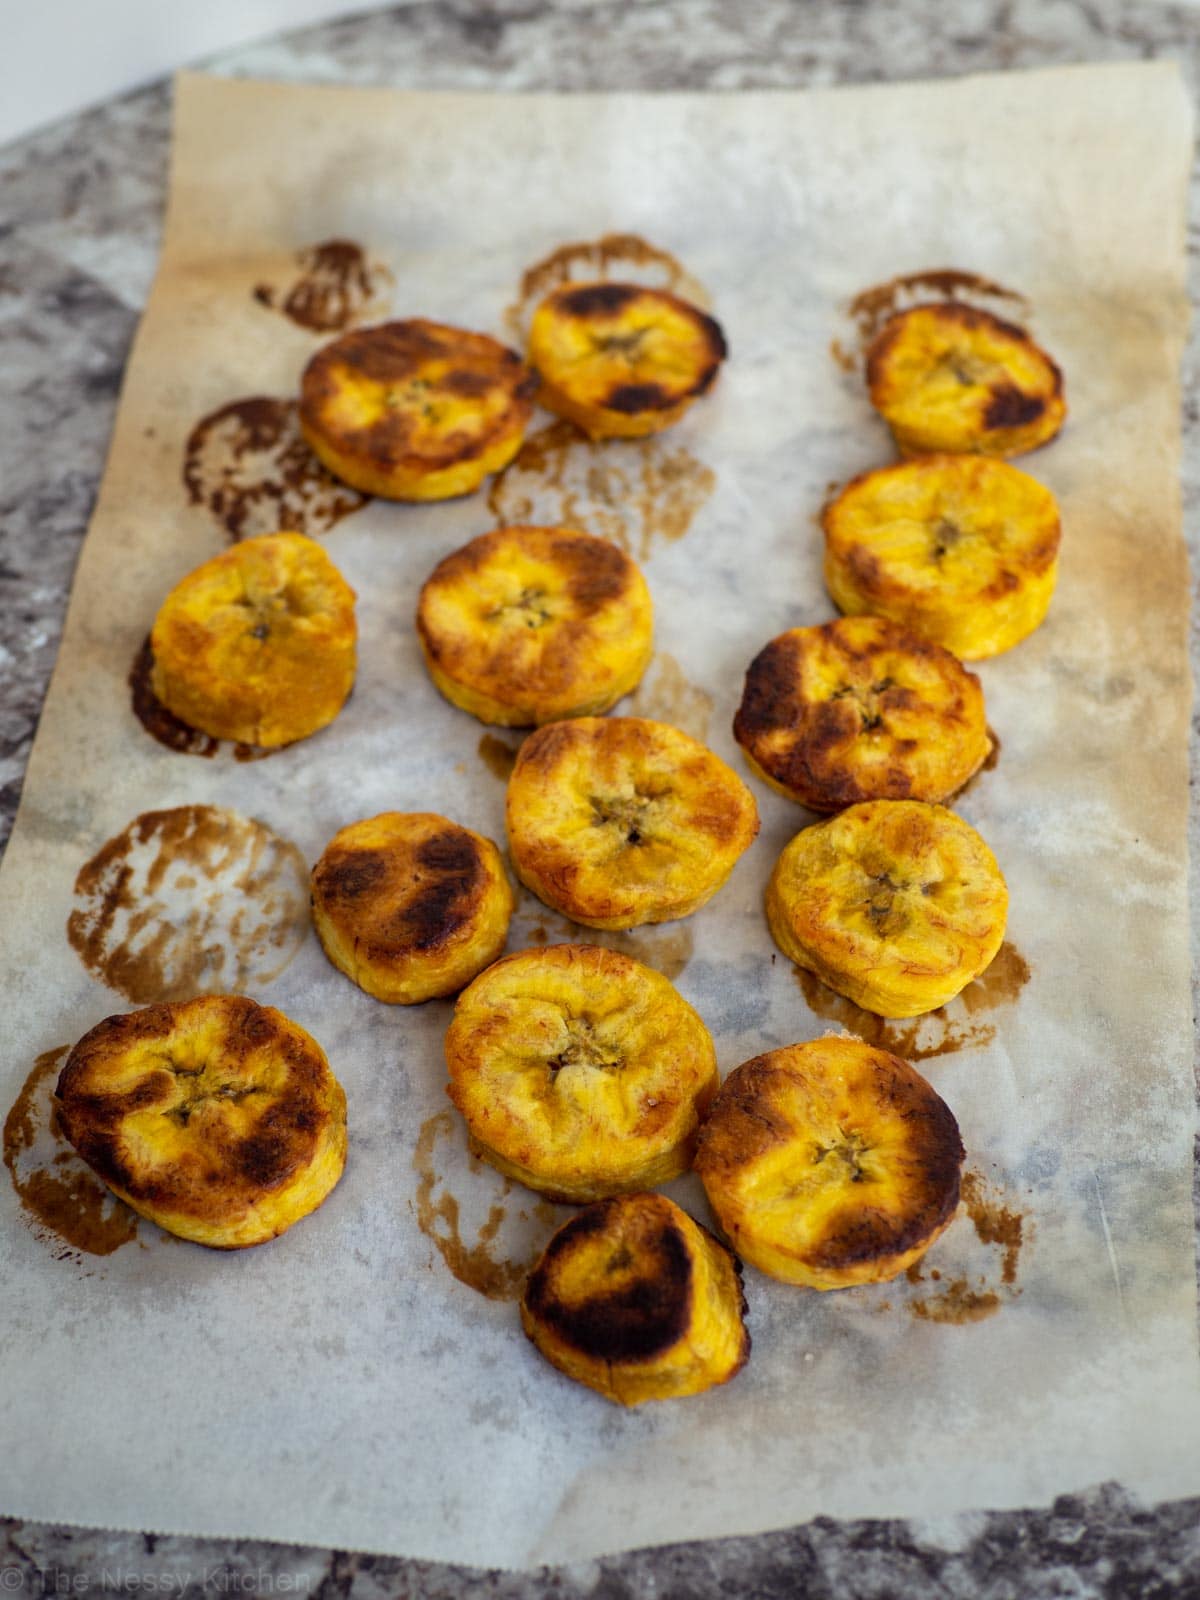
(80, 218)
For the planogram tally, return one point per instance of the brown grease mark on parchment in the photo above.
(498, 756)
(195, 900)
(249, 466)
(439, 1216)
(336, 286)
(973, 1297)
(989, 764)
(621, 257)
(170, 730)
(665, 695)
(637, 492)
(870, 309)
(666, 946)
(937, 1033)
(65, 1203)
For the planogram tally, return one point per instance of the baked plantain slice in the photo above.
(950, 377)
(410, 906)
(634, 1299)
(620, 821)
(896, 904)
(861, 709)
(529, 625)
(579, 1072)
(960, 549)
(217, 1118)
(415, 410)
(830, 1163)
(621, 360)
(257, 644)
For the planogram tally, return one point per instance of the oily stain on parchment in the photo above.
(959, 1025)
(615, 257)
(194, 900)
(665, 695)
(482, 1264)
(972, 1298)
(248, 465)
(66, 1205)
(870, 309)
(170, 730)
(498, 756)
(637, 492)
(335, 285)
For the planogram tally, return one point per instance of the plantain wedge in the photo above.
(415, 410)
(637, 1301)
(579, 1072)
(410, 906)
(257, 644)
(831, 1163)
(959, 549)
(620, 360)
(951, 377)
(620, 821)
(529, 625)
(896, 904)
(217, 1118)
(861, 709)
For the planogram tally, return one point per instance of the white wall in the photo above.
(61, 55)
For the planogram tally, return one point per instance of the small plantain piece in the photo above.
(637, 1301)
(861, 709)
(415, 410)
(618, 821)
(410, 906)
(257, 644)
(580, 1072)
(959, 549)
(831, 1163)
(217, 1118)
(949, 377)
(895, 904)
(620, 360)
(529, 625)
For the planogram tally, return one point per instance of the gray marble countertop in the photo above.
(80, 216)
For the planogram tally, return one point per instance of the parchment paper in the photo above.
(342, 1386)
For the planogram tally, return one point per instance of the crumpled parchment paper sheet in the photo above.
(342, 1386)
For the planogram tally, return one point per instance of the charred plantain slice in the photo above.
(410, 906)
(621, 360)
(861, 709)
(415, 410)
(830, 1163)
(217, 1118)
(960, 549)
(950, 377)
(637, 1301)
(528, 625)
(619, 821)
(580, 1072)
(894, 903)
(257, 644)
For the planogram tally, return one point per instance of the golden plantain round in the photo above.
(528, 625)
(619, 821)
(257, 644)
(861, 709)
(637, 1301)
(410, 906)
(217, 1118)
(620, 360)
(959, 549)
(896, 904)
(579, 1072)
(949, 377)
(831, 1163)
(415, 410)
